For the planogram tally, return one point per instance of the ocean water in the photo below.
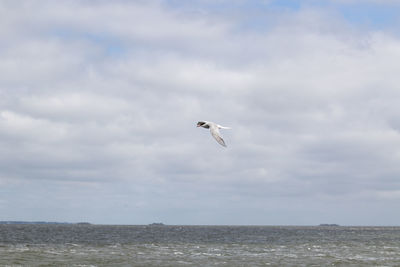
(105, 245)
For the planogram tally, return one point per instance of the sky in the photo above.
(99, 102)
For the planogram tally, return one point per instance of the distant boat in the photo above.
(156, 224)
(329, 224)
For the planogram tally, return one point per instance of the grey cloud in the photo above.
(313, 114)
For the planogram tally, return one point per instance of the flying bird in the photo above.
(214, 129)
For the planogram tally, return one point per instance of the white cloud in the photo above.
(104, 97)
(75, 105)
(26, 127)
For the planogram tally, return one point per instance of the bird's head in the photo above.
(200, 124)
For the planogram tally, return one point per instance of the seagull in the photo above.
(214, 129)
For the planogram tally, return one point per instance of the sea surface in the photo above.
(108, 245)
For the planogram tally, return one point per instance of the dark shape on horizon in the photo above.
(39, 222)
(156, 224)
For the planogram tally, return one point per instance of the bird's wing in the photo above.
(215, 133)
(223, 127)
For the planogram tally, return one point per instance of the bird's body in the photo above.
(214, 130)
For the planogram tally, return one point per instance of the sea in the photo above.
(165, 245)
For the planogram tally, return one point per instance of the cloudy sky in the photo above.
(99, 102)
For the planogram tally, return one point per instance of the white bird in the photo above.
(214, 129)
